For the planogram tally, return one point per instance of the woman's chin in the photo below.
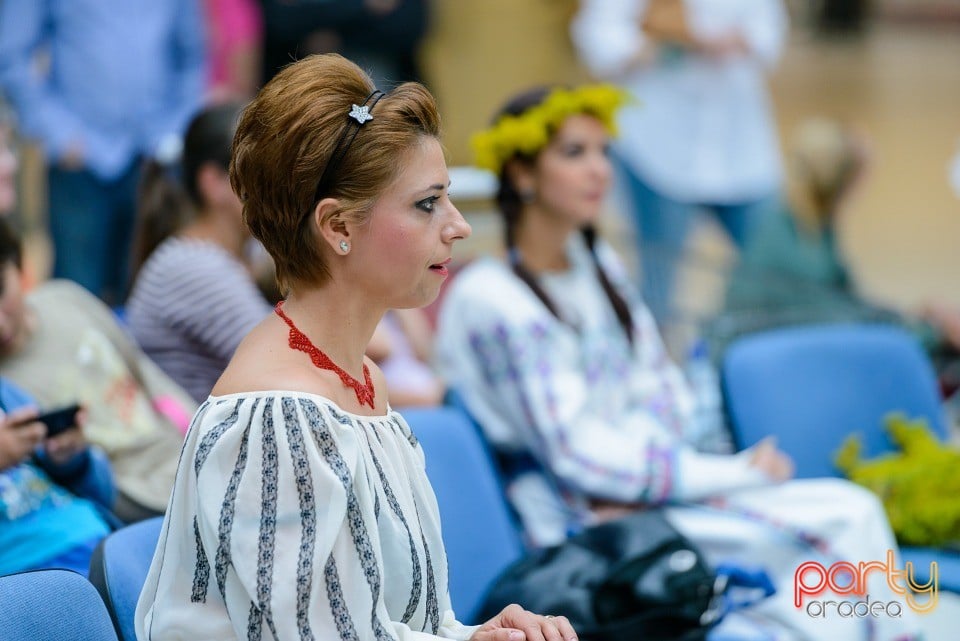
(421, 298)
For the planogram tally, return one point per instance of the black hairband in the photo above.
(358, 115)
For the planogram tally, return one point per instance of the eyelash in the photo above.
(427, 204)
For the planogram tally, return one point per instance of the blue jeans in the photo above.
(662, 226)
(91, 227)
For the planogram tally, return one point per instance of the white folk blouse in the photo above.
(293, 519)
(608, 418)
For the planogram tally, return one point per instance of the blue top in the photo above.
(39, 519)
(123, 75)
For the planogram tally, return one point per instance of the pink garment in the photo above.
(232, 25)
(171, 408)
(402, 369)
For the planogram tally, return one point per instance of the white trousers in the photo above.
(762, 527)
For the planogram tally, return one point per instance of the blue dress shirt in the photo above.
(112, 77)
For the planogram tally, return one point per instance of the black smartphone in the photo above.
(57, 421)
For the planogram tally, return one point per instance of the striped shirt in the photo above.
(191, 305)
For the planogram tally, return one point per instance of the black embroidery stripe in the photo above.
(254, 623)
(376, 433)
(417, 588)
(210, 438)
(405, 430)
(338, 605)
(228, 508)
(308, 516)
(199, 414)
(371, 482)
(340, 418)
(268, 522)
(358, 529)
(433, 610)
(201, 571)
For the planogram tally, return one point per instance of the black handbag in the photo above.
(633, 578)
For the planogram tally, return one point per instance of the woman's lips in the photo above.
(441, 267)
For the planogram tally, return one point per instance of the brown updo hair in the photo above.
(286, 137)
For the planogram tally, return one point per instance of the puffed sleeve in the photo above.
(285, 529)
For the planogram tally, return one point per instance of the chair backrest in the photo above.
(52, 605)
(478, 529)
(814, 385)
(119, 568)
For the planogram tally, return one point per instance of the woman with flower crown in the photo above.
(301, 508)
(561, 364)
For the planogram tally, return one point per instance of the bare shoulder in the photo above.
(263, 362)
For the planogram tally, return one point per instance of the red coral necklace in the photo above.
(299, 341)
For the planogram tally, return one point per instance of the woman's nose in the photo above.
(459, 228)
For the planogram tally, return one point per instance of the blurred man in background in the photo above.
(101, 84)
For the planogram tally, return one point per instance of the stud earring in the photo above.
(344, 246)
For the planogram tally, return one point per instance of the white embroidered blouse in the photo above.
(293, 519)
(606, 418)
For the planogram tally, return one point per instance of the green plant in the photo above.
(919, 485)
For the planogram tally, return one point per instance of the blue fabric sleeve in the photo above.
(87, 474)
(189, 55)
(12, 397)
(24, 29)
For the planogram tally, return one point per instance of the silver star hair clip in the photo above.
(360, 114)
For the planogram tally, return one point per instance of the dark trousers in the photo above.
(91, 225)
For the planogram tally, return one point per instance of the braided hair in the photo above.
(510, 203)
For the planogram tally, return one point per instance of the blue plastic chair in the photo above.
(478, 528)
(814, 385)
(118, 570)
(52, 605)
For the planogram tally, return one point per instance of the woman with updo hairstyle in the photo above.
(559, 361)
(301, 508)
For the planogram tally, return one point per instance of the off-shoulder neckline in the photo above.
(213, 398)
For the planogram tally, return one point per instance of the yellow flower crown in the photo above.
(529, 132)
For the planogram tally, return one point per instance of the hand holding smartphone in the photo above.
(57, 421)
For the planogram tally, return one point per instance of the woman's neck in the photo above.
(336, 322)
(542, 241)
(219, 230)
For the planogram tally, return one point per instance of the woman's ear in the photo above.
(329, 220)
(522, 176)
